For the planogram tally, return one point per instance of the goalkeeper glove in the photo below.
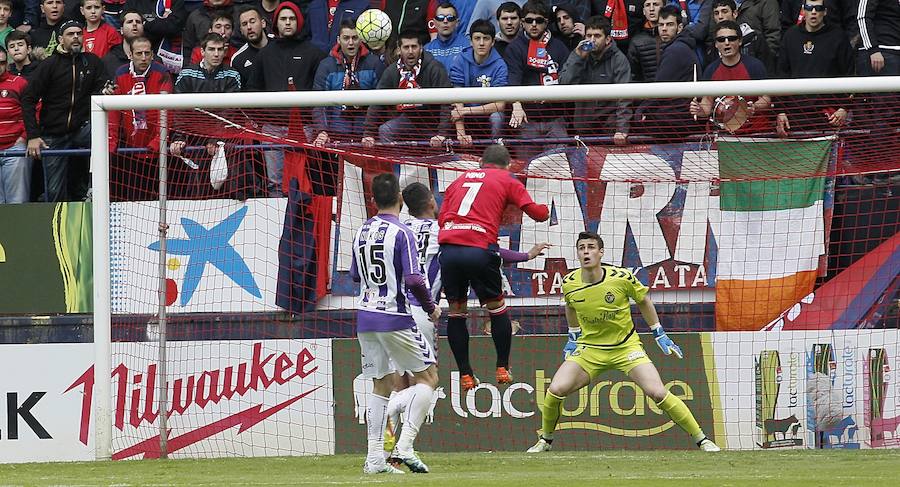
(571, 345)
(665, 343)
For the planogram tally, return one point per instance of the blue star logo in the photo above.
(211, 245)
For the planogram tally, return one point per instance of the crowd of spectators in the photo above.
(57, 53)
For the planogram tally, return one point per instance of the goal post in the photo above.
(670, 209)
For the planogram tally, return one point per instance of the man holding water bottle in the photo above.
(596, 59)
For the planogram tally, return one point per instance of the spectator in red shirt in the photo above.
(732, 65)
(99, 37)
(469, 222)
(15, 171)
(135, 177)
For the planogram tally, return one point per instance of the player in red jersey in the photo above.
(469, 221)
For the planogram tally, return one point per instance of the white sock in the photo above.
(376, 420)
(397, 406)
(699, 436)
(417, 409)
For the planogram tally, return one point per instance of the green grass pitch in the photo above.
(816, 468)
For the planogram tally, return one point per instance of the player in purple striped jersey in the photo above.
(385, 264)
(423, 223)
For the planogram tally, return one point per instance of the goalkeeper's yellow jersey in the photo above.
(603, 308)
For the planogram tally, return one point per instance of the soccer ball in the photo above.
(374, 27)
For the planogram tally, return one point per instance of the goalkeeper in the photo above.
(602, 336)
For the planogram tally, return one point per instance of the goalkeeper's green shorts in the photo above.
(595, 360)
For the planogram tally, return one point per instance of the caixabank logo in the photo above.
(881, 392)
(611, 412)
(821, 361)
(777, 424)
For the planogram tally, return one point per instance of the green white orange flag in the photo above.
(772, 230)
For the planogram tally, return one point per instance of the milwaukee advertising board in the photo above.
(227, 398)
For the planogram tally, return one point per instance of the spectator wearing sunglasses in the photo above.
(841, 13)
(752, 42)
(813, 49)
(535, 59)
(733, 65)
(449, 41)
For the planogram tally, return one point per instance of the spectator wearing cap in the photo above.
(569, 25)
(15, 171)
(813, 49)
(597, 60)
(288, 62)
(482, 66)
(65, 110)
(449, 41)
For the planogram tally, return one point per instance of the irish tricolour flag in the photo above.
(772, 230)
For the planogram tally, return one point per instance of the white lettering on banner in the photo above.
(701, 205)
(848, 383)
(635, 204)
(498, 401)
(352, 214)
(555, 285)
(560, 196)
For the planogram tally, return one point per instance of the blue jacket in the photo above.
(445, 51)
(464, 72)
(330, 77)
(317, 19)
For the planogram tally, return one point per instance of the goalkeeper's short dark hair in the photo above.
(416, 197)
(589, 236)
(385, 190)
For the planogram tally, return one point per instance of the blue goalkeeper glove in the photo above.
(665, 343)
(574, 335)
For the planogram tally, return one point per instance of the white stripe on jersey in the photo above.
(426, 232)
(375, 250)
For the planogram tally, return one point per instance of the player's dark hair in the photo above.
(509, 7)
(416, 197)
(589, 236)
(347, 24)
(482, 26)
(725, 3)
(495, 154)
(131, 11)
(671, 11)
(598, 22)
(385, 190)
(729, 24)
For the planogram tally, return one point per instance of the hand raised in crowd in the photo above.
(584, 48)
(579, 29)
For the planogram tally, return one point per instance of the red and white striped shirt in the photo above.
(12, 128)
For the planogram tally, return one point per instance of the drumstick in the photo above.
(695, 80)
